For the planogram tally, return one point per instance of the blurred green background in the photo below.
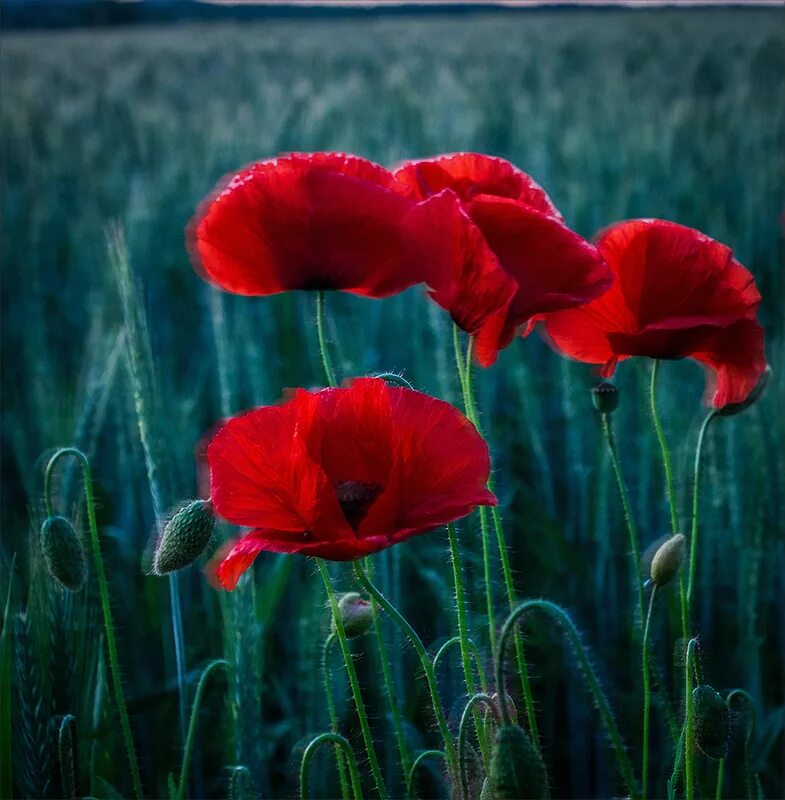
(669, 114)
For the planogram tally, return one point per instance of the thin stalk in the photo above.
(341, 742)
(677, 765)
(463, 636)
(103, 591)
(324, 352)
(193, 722)
(353, 682)
(328, 690)
(628, 517)
(600, 701)
(646, 695)
(430, 676)
(720, 779)
(689, 722)
(440, 653)
(471, 709)
(523, 671)
(695, 509)
(415, 764)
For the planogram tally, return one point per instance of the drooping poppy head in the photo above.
(524, 260)
(678, 294)
(341, 473)
(306, 221)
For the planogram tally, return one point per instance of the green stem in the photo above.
(523, 670)
(340, 741)
(601, 702)
(328, 690)
(440, 653)
(353, 681)
(646, 696)
(324, 352)
(470, 709)
(695, 508)
(103, 590)
(628, 517)
(720, 779)
(463, 635)
(193, 722)
(430, 676)
(415, 764)
(677, 764)
(689, 721)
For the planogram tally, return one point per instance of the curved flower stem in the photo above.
(430, 675)
(523, 671)
(103, 591)
(567, 625)
(720, 779)
(189, 739)
(353, 682)
(328, 690)
(324, 352)
(689, 721)
(628, 517)
(474, 700)
(748, 773)
(695, 508)
(343, 744)
(415, 764)
(677, 765)
(475, 655)
(646, 695)
(463, 636)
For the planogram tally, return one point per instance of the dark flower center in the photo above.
(355, 498)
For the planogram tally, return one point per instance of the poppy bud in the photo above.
(64, 553)
(605, 397)
(357, 614)
(517, 770)
(731, 409)
(712, 722)
(185, 536)
(667, 560)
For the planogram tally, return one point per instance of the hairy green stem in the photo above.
(415, 764)
(324, 351)
(689, 722)
(103, 591)
(328, 690)
(646, 695)
(720, 779)
(471, 709)
(456, 640)
(353, 681)
(601, 702)
(193, 722)
(341, 742)
(430, 676)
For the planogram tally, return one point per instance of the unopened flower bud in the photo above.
(605, 397)
(667, 560)
(517, 770)
(731, 409)
(712, 722)
(357, 614)
(185, 536)
(64, 553)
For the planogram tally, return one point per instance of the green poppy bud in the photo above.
(357, 614)
(64, 553)
(517, 770)
(712, 722)
(185, 536)
(667, 560)
(605, 397)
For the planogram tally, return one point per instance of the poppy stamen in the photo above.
(355, 498)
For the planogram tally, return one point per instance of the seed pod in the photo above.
(605, 397)
(731, 409)
(517, 770)
(185, 536)
(667, 560)
(64, 553)
(357, 614)
(712, 722)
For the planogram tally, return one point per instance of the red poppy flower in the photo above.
(307, 221)
(342, 473)
(677, 294)
(532, 262)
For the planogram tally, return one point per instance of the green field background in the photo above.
(678, 115)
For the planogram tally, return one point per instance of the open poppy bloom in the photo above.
(341, 473)
(678, 294)
(524, 262)
(307, 221)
